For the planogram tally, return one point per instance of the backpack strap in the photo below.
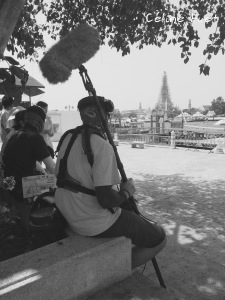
(86, 133)
(63, 137)
(64, 179)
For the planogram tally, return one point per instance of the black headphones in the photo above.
(106, 104)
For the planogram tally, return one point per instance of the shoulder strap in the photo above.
(75, 133)
(65, 135)
(64, 180)
(86, 132)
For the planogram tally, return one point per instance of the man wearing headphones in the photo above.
(92, 164)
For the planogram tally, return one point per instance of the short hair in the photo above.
(38, 111)
(7, 101)
(35, 117)
(19, 116)
(42, 104)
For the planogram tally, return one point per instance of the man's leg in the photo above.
(147, 237)
(141, 255)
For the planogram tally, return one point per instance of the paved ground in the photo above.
(184, 190)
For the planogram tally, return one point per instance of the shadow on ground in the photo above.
(192, 212)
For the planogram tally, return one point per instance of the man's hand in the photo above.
(128, 186)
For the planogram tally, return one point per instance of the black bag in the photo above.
(47, 225)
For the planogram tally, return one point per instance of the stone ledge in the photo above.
(69, 269)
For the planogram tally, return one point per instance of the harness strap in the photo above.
(64, 179)
(75, 133)
(75, 187)
(86, 136)
(62, 139)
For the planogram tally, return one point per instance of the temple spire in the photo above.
(164, 102)
(189, 104)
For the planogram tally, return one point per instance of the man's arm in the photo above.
(108, 197)
(39, 168)
(50, 164)
(48, 127)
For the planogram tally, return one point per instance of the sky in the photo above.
(137, 77)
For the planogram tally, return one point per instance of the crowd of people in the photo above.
(92, 202)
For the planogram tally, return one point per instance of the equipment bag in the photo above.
(47, 225)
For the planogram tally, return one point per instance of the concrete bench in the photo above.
(141, 145)
(72, 268)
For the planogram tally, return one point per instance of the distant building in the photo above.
(204, 108)
(62, 121)
(116, 111)
(139, 112)
(210, 113)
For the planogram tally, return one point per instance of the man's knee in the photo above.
(163, 243)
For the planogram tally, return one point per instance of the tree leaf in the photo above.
(11, 60)
(18, 72)
(201, 68)
(206, 70)
(186, 60)
(196, 44)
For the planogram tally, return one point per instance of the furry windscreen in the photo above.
(74, 49)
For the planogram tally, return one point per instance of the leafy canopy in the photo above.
(122, 23)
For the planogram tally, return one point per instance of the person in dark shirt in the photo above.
(24, 148)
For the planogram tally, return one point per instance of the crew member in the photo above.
(100, 215)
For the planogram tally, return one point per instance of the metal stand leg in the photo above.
(158, 273)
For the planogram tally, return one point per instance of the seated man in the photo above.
(99, 214)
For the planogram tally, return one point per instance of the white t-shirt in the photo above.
(83, 213)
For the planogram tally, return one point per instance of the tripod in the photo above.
(132, 202)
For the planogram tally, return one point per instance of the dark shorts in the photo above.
(141, 232)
